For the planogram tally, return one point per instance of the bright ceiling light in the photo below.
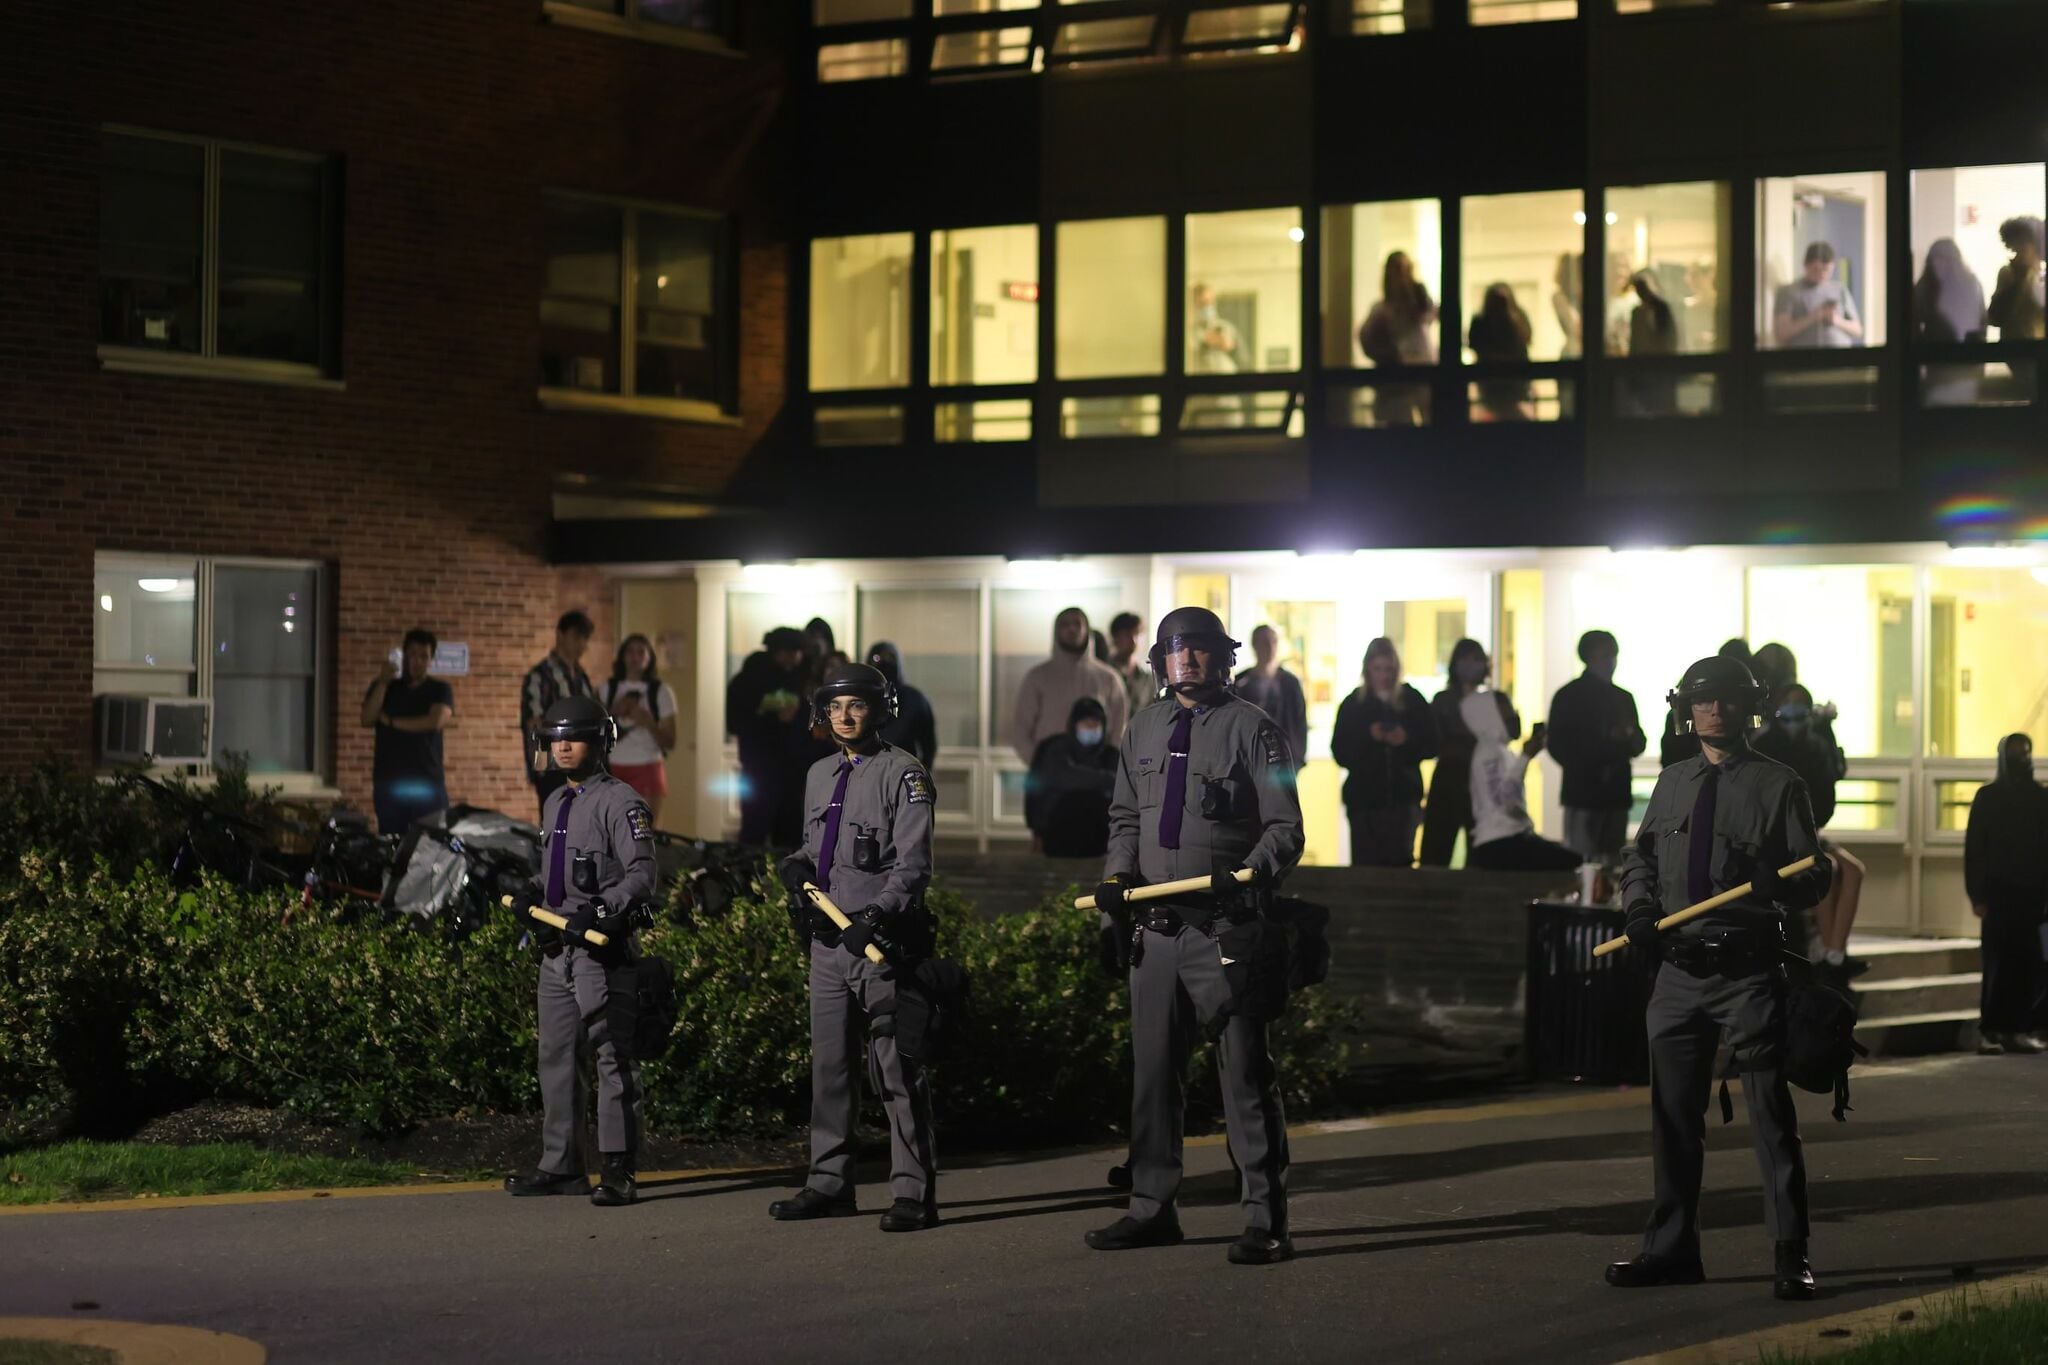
(1295, 234)
(157, 584)
(106, 601)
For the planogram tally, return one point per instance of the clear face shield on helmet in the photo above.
(1193, 663)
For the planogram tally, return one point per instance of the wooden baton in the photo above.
(838, 917)
(1692, 912)
(1179, 888)
(555, 921)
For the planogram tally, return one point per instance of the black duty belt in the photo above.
(1725, 951)
(1170, 921)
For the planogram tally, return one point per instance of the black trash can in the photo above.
(1584, 1015)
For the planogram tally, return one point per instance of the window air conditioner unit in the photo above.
(155, 729)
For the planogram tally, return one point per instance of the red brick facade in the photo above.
(425, 485)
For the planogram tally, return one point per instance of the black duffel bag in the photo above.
(1820, 1040)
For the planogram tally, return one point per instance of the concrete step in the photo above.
(1915, 996)
(1892, 958)
(1918, 1035)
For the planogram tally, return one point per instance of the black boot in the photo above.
(1259, 1247)
(1795, 1276)
(1128, 1234)
(617, 1186)
(1647, 1270)
(547, 1182)
(909, 1215)
(808, 1203)
(1120, 1177)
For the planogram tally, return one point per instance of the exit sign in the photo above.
(1021, 291)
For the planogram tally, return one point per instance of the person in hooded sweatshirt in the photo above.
(915, 728)
(1046, 698)
(2005, 871)
(1066, 797)
(1504, 838)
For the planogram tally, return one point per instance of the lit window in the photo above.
(1241, 26)
(985, 305)
(669, 340)
(1366, 17)
(1545, 398)
(876, 60)
(217, 253)
(1977, 384)
(1383, 403)
(874, 424)
(988, 419)
(1110, 305)
(1650, 6)
(1110, 415)
(1086, 40)
(1382, 281)
(1986, 656)
(1820, 261)
(1523, 277)
(1257, 410)
(1244, 292)
(943, 8)
(982, 49)
(1835, 388)
(860, 312)
(1850, 630)
(1483, 12)
(1977, 248)
(1665, 249)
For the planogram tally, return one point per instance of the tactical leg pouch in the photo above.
(1255, 965)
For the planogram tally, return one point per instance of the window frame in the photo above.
(2019, 354)
(725, 411)
(628, 24)
(202, 672)
(208, 362)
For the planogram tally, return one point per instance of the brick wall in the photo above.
(426, 484)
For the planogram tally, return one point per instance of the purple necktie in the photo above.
(830, 843)
(1699, 862)
(1176, 798)
(558, 856)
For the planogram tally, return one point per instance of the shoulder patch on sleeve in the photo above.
(1273, 745)
(640, 821)
(917, 785)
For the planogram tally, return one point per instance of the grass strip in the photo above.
(72, 1171)
(24, 1351)
(1965, 1329)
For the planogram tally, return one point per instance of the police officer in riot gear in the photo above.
(868, 846)
(598, 872)
(1715, 821)
(1204, 787)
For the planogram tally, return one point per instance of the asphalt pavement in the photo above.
(1473, 1234)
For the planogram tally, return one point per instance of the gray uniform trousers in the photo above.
(1178, 984)
(844, 988)
(581, 998)
(1685, 1017)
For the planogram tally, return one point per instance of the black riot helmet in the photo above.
(581, 718)
(856, 680)
(1719, 678)
(1196, 627)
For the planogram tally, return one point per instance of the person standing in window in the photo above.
(1500, 336)
(645, 708)
(1948, 307)
(1652, 331)
(1397, 332)
(2005, 871)
(557, 676)
(1384, 730)
(1594, 732)
(1567, 301)
(1449, 808)
(1816, 309)
(1275, 691)
(2017, 302)
(408, 710)
(1214, 347)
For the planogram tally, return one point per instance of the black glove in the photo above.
(1114, 894)
(523, 900)
(1642, 933)
(1224, 885)
(582, 919)
(1765, 883)
(1114, 948)
(794, 871)
(856, 936)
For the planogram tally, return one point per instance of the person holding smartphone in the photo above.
(408, 710)
(645, 708)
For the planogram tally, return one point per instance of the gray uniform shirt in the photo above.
(1761, 815)
(1232, 743)
(610, 822)
(889, 796)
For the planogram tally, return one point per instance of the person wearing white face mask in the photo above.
(1066, 795)
(1449, 807)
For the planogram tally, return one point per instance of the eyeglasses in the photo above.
(846, 708)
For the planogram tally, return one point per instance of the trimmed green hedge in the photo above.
(120, 993)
